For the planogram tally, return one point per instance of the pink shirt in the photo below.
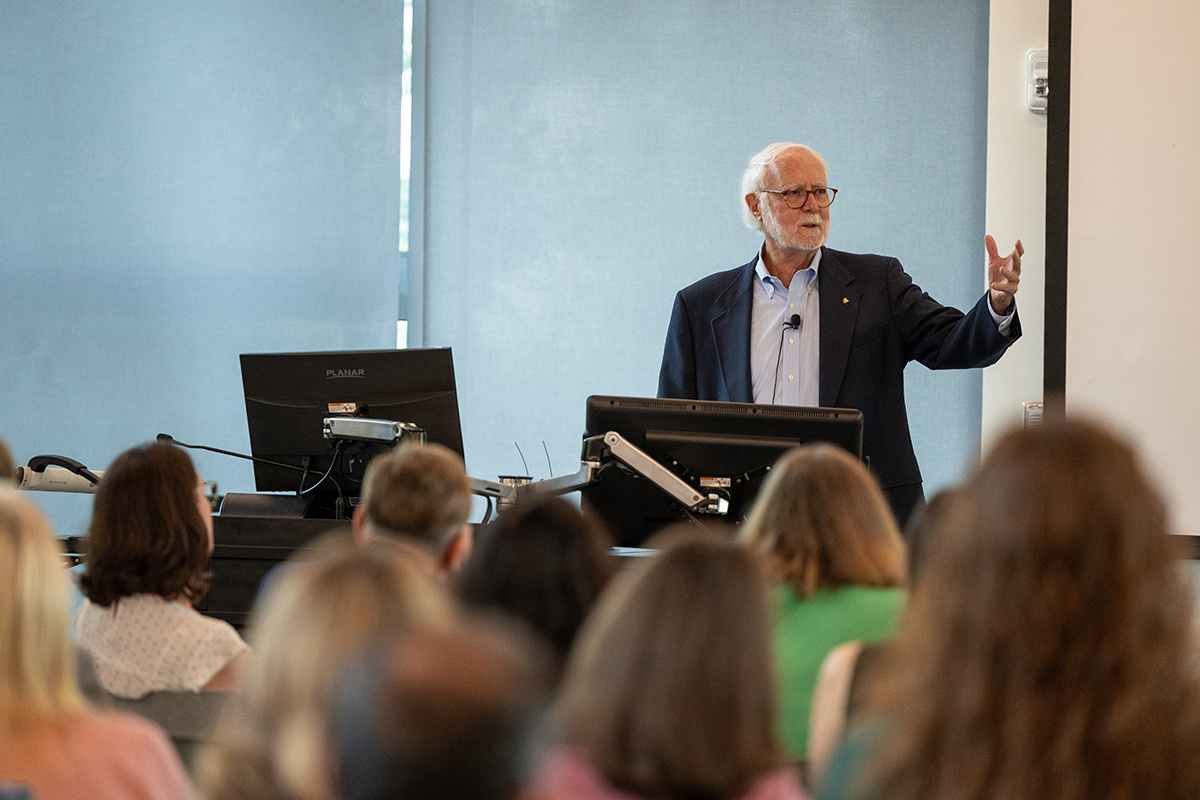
(94, 756)
(567, 774)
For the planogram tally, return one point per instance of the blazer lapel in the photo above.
(839, 309)
(731, 331)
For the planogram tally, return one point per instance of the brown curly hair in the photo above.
(1048, 648)
(146, 534)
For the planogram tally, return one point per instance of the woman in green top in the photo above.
(824, 527)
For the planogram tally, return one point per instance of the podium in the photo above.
(246, 548)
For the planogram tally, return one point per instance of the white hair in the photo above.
(752, 177)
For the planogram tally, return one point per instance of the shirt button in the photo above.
(790, 378)
(791, 305)
(791, 341)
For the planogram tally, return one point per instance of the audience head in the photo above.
(37, 661)
(420, 494)
(8, 470)
(315, 619)
(925, 523)
(1048, 648)
(822, 520)
(544, 563)
(151, 528)
(670, 689)
(450, 714)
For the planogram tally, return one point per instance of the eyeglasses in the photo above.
(796, 198)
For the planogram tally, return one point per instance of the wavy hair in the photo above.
(1048, 649)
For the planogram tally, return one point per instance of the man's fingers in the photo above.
(990, 245)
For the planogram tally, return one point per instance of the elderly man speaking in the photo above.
(802, 324)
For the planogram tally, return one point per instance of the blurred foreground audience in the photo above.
(310, 626)
(149, 541)
(544, 563)
(670, 692)
(420, 496)
(848, 670)
(444, 714)
(52, 745)
(1049, 648)
(826, 531)
(8, 470)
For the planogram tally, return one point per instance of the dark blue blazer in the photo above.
(874, 320)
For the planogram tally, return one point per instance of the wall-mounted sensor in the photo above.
(1037, 80)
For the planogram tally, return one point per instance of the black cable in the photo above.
(779, 358)
(337, 452)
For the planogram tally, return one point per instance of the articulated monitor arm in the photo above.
(599, 453)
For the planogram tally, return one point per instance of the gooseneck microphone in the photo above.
(300, 490)
(791, 323)
(166, 437)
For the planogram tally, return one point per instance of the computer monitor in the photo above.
(722, 447)
(289, 395)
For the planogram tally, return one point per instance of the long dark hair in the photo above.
(544, 563)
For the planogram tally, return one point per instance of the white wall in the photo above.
(1016, 203)
(1133, 330)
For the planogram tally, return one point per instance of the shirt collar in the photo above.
(770, 282)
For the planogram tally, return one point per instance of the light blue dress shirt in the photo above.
(785, 363)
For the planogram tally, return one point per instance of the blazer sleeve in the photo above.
(941, 337)
(677, 375)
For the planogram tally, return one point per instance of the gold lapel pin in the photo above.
(845, 300)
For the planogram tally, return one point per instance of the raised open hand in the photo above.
(1004, 273)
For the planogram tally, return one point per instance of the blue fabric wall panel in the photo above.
(180, 183)
(583, 162)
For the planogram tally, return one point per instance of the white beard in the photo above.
(796, 237)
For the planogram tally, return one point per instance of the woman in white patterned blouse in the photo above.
(150, 539)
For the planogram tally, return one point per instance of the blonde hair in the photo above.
(272, 741)
(37, 660)
(822, 520)
(8, 471)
